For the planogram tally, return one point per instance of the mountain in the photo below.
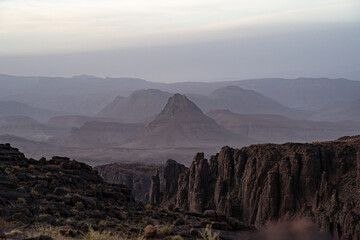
(244, 101)
(10, 108)
(100, 134)
(26, 145)
(14, 120)
(340, 111)
(263, 183)
(35, 132)
(80, 95)
(138, 106)
(305, 93)
(87, 95)
(70, 121)
(279, 129)
(181, 124)
(143, 104)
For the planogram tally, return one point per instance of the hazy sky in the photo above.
(192, 40)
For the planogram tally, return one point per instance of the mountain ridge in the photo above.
(182, 124)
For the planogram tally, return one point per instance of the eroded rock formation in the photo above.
(268, 182)
(155, 189)
(137, 176)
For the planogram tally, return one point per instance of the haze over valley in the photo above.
(103, 120)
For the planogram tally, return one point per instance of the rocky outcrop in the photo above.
(155, 189)
(172, 171)
(264, 183)
(358, 171)
(137, 176)
(51, 190)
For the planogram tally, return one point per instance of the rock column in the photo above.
(155, 189)
(358, 170)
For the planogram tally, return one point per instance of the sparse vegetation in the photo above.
(46, 231)
(5, 224)
(13, 233)
(177, 237)
(74, 211)
(166, 230)
(209, 234)
(31, 167)
(90, 235)
(102, 224)
(21, 201)
(35, 193)
(16, 167)
(103, 235)
(79, 205)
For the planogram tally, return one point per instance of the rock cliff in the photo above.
(264, 183)
(137, 176)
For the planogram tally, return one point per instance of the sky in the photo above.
(185, 40)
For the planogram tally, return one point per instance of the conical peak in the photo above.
(179, 103)
(180, 109)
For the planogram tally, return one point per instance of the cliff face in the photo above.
(137, 176)
(269, 182)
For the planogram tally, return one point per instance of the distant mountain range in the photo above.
(13, 109)
(87, 95)
(305, 93)
(124, 119)
(136, 107)
(244, 101)
(144, 103)
(15, 120)
(70, 121)
(279, 129)
(100, 134)
(340, 111)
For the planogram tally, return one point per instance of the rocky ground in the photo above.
(237, 194)
(62, 198)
